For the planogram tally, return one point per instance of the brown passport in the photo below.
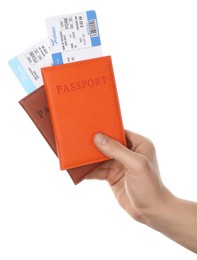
(36, 106)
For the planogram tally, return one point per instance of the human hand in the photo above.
(133, 174)
(134, 177)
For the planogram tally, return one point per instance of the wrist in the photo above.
(157, 215)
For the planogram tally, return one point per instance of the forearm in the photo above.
(177, 219)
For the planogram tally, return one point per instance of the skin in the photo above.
(134, 177)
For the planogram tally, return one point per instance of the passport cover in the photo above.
(35, 104)
(83, 100)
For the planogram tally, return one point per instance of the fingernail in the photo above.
(100, 139)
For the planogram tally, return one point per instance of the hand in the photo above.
(134, 177)
(133, 174)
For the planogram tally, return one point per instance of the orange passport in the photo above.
(83, 100)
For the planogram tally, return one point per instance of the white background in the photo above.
(43, 215)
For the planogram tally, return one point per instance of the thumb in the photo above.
(114, 149)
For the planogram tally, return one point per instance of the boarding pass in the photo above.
(74, 37)
(27, 65)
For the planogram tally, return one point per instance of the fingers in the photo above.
(101, 173)
(135, 139)
(115, 150)
(111, 171)
(140, 144)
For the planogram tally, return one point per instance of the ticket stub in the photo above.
(74, 37)
(27, 65)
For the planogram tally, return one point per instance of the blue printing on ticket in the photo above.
(57, 58)
(91, 15)
(21, 75)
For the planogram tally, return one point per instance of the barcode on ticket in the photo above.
(93, 28)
